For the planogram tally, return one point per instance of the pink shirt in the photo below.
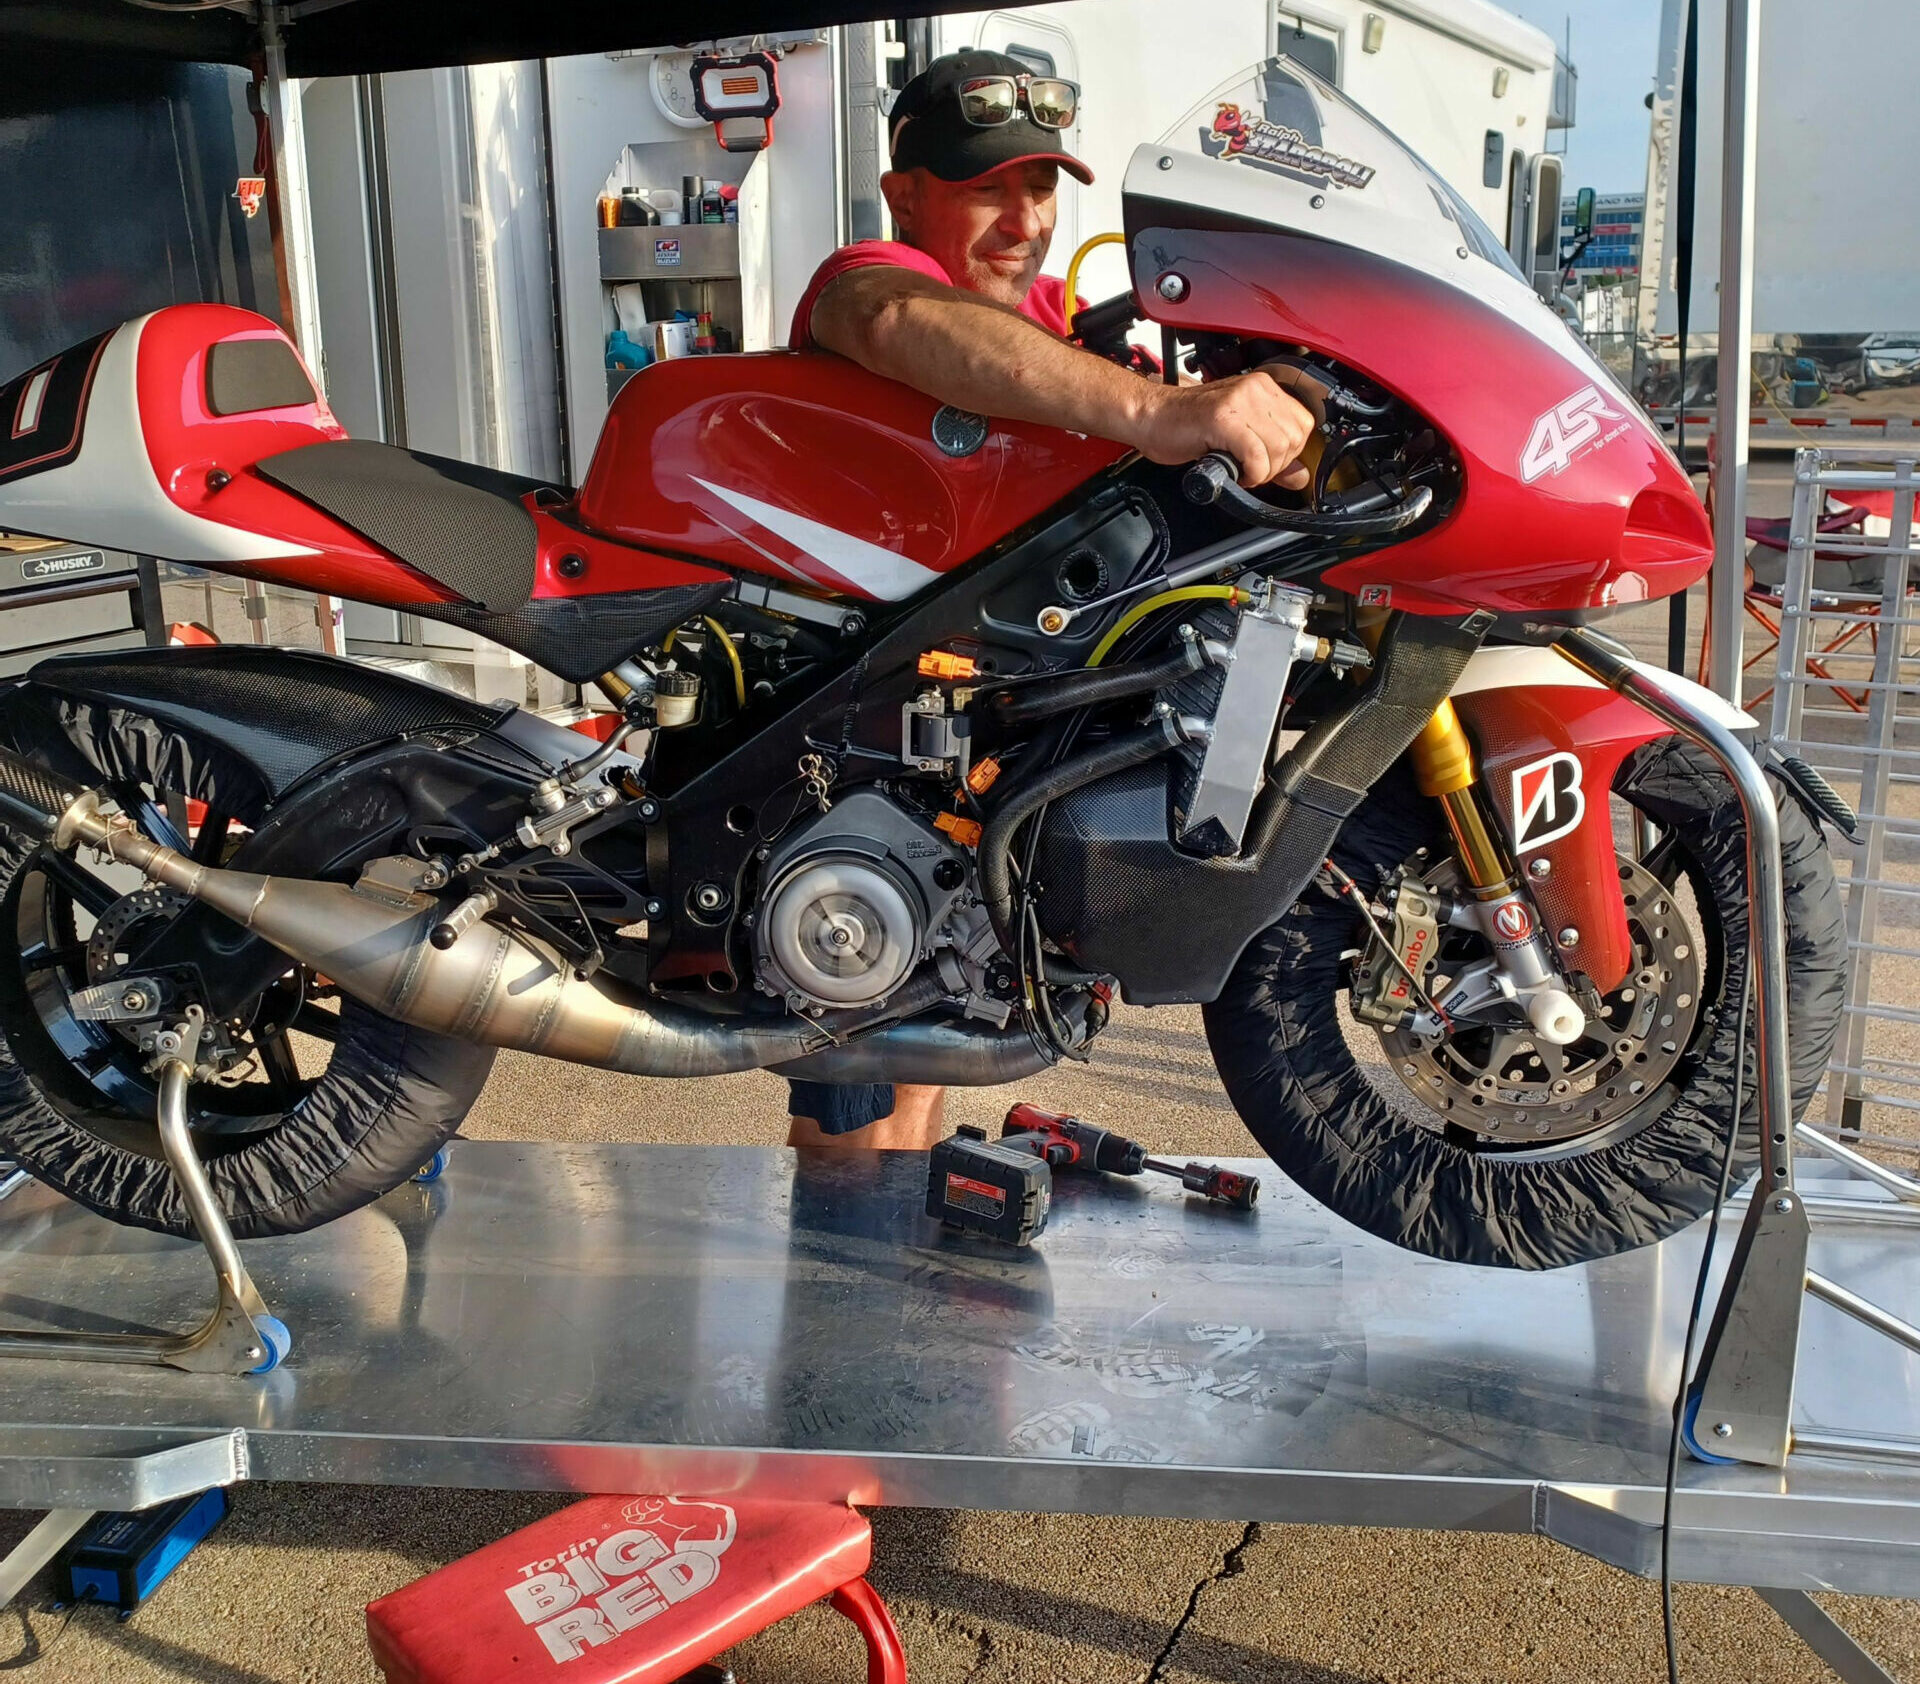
(1045, 304)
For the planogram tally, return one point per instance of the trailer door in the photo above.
(1047, 50)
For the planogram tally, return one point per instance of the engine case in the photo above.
(854, 902)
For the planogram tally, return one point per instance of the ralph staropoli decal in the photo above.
(1254, 140)
(590, 1592)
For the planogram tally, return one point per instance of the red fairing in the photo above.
(187, 444)
(1522, 735)
(1570, 502)
(801, 466)
(609, 568)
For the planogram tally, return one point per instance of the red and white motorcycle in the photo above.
(934, 730)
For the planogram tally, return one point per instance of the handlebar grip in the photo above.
(1209, 477)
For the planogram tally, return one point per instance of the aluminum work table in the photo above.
(719, 1319)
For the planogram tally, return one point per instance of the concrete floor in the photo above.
(981, 1598)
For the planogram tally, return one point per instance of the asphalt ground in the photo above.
(276, 1594)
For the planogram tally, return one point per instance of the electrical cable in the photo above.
(1693, 1325)
(35, 1650)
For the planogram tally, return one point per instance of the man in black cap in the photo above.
(957, 308)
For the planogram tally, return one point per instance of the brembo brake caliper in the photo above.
(1388, 994)
(1517, 978)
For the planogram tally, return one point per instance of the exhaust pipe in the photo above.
(495, 986)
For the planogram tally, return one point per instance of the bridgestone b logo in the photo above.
(1548, 801)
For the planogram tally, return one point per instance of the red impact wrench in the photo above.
(1063, 1142)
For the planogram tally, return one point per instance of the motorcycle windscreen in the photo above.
(1312, 160)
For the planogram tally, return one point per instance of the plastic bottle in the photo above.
(713, 208)
(635, 212)
(691, 187)
(731, 195)
(703, 341)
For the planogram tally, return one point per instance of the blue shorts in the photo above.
(840, 1107)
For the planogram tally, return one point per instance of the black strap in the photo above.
(1685, 145)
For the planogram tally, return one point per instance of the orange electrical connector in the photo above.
(965, 831)
(985, 770)
(943, 663)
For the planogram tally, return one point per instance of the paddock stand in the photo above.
(1739, 1402)
(240, 1335)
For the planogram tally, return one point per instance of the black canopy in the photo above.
(346, 37)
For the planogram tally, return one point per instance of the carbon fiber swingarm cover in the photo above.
(283, 713)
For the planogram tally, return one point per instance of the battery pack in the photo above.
(121, 1559)
(985, 1188)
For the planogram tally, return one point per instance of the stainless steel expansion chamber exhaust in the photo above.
(496, 986)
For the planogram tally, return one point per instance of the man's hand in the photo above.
(1247, 415)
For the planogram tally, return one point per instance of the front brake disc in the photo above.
(1496, 1079)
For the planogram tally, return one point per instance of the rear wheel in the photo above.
(1493, 1148)
(323, 1104)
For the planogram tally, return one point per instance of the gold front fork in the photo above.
(1443, 767)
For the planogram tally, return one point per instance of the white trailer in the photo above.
(1474, 90)
(1836, 234)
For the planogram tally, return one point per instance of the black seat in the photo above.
(462, 526)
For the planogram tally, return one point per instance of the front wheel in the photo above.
(1400, 1150)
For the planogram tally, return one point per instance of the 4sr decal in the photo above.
(1548, 801)
(1568, 431)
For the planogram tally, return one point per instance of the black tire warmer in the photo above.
(1277, 1041)
(391, 1094)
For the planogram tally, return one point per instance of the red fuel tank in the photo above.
(802, 466)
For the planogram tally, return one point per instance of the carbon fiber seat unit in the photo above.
(462, 526)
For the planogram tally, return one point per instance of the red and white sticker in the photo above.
(1548, 801)
(592, 1591)
(250, 190)
(1513, 922)
(1567, 432)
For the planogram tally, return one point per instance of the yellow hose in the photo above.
(1140, 610)
(726, 643)
(1073, 268)
(733, 658)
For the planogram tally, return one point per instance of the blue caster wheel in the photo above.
(278, 1341)
(1688, 1422)
(432, 1169)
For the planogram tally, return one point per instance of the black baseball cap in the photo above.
(931, 133)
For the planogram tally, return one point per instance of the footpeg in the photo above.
(126, 999)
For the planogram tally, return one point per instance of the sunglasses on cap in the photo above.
(988, 101)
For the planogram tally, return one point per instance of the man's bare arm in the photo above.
(975, 354)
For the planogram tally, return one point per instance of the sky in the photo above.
(1614, 44)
